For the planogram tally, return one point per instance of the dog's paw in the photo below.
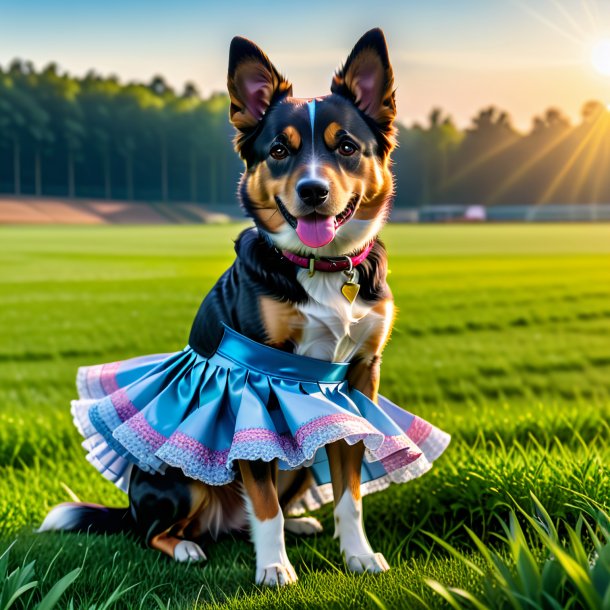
(187, 551)
(373, 563)
(276, 575)
(303, 526)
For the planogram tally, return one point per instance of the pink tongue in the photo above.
(316, 231)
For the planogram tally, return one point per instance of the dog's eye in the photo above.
(278, 151)
(347, 148)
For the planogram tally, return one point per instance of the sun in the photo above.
(600, 56)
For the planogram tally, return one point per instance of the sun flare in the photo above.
(600, 56)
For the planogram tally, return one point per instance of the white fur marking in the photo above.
(303, 526)
(61, 517)
(311, 107)
(349, 528)
(313, 166)
(334, 329)
(188, 551)
(313, 169)
(272, 564)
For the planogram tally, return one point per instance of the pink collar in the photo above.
(329, 263)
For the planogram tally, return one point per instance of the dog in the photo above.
(318, 186)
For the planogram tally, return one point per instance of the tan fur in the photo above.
(345, 462)
(165, 543)
(261, 188)
(364, 374)
(293, 137)
(286, 479)
(379, 184)
(283, 322)
(261, 491)
(221, 510)
(377, 343)
(330, 134)
(365, 377)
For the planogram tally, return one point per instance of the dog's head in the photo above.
(317, 177)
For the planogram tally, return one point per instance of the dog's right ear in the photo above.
(367, 80)
(253, 83)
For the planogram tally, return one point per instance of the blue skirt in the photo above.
(247, 401)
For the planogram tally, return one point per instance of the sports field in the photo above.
(502, 339)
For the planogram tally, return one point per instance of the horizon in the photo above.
(520, 58)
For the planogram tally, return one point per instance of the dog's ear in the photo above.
(253, 83)
(367, 79)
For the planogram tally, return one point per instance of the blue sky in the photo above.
(463, 54)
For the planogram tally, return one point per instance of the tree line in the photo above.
(95, 137)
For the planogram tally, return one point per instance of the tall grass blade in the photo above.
(51, 599)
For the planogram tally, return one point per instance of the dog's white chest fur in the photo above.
(333, 329)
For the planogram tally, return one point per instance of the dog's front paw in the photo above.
(276, 575)
(373, 563)
(186, 551)
(303, 526)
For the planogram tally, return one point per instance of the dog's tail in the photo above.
(93, 518)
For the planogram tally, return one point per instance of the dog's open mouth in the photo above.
(316, 230)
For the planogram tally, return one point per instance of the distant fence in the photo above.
(582, 212)
(47, 210)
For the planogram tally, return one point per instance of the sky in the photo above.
(461, 55)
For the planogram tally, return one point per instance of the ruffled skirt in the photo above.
(247, 401)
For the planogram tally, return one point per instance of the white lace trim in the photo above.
(318, 495)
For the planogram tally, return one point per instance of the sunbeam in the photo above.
(546, 196)
(600, 176)
(601, 135)
(477, 163)
(592, 20)
(566, 15)
(527, 166)
(548, 23)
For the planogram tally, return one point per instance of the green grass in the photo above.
(502, 339)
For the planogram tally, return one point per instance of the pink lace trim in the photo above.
(262, 435)
(358, 425)
(108, 377)
(145, 431)
(392, 444)
(419, 430)
(205, 454)
(400, 459)
(122, 405)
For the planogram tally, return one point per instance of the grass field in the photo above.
(503, 339)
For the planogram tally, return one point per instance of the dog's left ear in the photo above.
(367, 79)
(253, 83)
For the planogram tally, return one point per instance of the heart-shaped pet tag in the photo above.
(350, 291)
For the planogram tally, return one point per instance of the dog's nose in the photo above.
(312, 192)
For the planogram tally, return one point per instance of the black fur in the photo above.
(243, 49)
(257, 271)
(158, 501)
(372, 273)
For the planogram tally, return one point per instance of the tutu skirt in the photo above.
(247, 401)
